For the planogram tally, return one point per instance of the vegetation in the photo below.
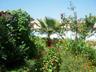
(15, 42)
(49, 26)
(21, 52)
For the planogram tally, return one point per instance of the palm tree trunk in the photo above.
(49, 41)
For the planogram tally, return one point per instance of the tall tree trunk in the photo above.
(49, 41)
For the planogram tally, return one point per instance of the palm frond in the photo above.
(43, 25)
(50, 22)
(49, 25)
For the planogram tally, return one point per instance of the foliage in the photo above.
(49, 26)
(18, 47)
(90, 21)
(82, 30)
(28, 67)
(81, 47)
(91, 43)
(76, 56)
(40, 45)
(14, 37)
(50, 62)
(72, 63)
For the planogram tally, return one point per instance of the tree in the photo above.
(90, 21)
(74, 20)
(49, 26)
(15, 43)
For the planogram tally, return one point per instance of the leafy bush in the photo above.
(90, 21)
(28, 67)
(22, 32)
(50, 62)
(76, 56)
(9, 54)
(40, 46)
(32, 64)
(81, 47)
(14, 37)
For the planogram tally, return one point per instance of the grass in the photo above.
(63, 53)
(75, 63)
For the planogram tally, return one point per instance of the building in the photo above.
(34, 25)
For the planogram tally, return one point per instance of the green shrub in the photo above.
(40, 46)
(75, 54)
(50, 62)
(28, 67)
(9, 53)
(90, 53)
(14, 38)
(75, 63)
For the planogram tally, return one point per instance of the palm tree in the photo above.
(49, 26)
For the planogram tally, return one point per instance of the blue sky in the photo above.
(50, 8)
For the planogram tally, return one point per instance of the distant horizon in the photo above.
(50, 8)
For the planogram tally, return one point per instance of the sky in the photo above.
(50, 8)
